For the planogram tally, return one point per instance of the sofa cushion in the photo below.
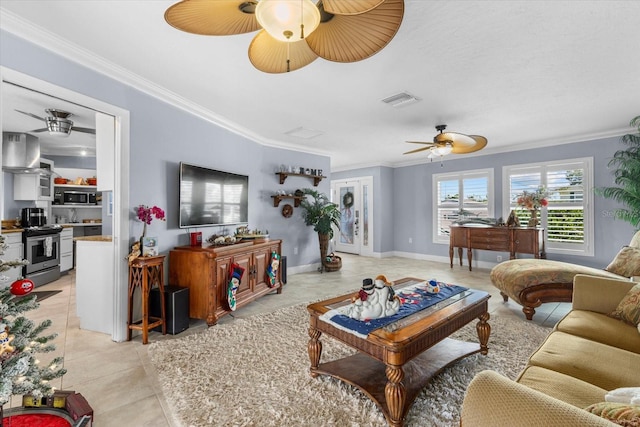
(619, 413)
(599, 364)
(626, 263)
(601, 328)
(564, 387)
(629, 308)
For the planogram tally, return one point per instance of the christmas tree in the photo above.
(21, 340)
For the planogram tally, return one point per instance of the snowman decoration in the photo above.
(376, 299)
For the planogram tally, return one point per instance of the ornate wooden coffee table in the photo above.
(394, 363)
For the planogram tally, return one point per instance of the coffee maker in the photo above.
(33, 217)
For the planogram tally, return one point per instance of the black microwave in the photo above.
(74, 198)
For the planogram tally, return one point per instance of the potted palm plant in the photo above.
(319, 212)
(626, 177)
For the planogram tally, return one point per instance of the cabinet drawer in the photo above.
(490, 233)
(491, 245)
(66, 261)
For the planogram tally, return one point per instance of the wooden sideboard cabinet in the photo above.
(523, 240)
(205, 271)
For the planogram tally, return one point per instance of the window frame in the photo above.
(460, 176)
(544, 168)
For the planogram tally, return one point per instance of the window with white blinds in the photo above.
(568, 217)
(460, 194)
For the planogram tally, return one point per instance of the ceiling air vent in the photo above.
(400, 99)
(305, 133)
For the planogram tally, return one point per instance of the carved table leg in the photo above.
(484, 329)
(395, 395)
(528, 312)
(315, 350)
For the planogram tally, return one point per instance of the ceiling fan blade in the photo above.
(270, 55)
(420, 142)
(83, 130)
(351, 38)
(213, 18)
(353, 7)
(39, 130)
(417, 150)
(462, 143)
(30, 115)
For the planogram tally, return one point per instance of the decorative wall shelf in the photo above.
(277, 198)
(316, 178)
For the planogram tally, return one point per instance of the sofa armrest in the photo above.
(598, 294)
(494, 400)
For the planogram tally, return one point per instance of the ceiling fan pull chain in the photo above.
(288, 59)
(301, 21)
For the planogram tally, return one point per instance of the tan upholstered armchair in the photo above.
(532, 282)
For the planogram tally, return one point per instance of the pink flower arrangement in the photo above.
(533, 199)
(146, 214)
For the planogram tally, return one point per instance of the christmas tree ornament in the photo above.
(5, 340)
(21, 287)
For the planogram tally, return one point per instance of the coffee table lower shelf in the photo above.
(369, 375)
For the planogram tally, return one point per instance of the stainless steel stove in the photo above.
(42, 250)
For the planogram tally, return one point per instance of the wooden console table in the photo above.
(524, 240)
(205, 271)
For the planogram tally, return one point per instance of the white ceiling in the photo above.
(521, 73)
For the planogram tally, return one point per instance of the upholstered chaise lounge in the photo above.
(532, 282)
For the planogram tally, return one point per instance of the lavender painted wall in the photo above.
(161, 136)
(410, 193)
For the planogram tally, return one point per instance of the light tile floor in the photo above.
(120, 383)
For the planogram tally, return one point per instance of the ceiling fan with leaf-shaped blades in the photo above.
(58, 123)
(450, 142)
(294, 33)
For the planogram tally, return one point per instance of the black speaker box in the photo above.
(283, 269)
(176, 303)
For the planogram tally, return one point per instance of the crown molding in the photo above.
(37, 35)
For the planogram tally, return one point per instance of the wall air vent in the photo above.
(400, 99)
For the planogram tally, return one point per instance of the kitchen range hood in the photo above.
(21, 154)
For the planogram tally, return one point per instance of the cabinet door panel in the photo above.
(261, 261)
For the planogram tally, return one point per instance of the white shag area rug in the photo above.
(255, 372)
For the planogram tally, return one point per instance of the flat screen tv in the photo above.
(212, 197)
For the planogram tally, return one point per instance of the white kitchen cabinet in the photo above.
(66, 249)
(33, 186)
(105, 150)
(14, 251)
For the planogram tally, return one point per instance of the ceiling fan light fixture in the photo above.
(443, 149)
(288, 20)
(59, 126)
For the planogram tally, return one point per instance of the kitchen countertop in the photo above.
(20, 230)
(93, 239)
(12, 230)
(80, 224)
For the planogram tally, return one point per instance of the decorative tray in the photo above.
(251, 236)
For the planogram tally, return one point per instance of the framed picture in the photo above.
(149, 246)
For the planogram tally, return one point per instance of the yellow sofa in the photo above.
(587, 354)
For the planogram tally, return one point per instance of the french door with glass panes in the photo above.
(354, 198)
